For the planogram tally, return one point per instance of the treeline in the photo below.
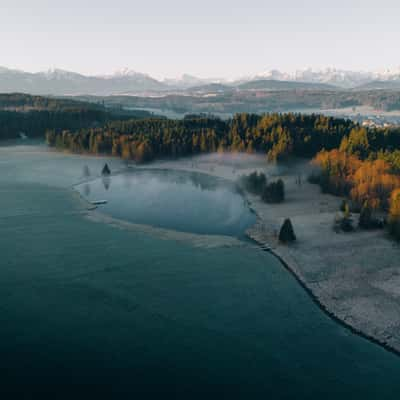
(277, 135)
(23, 101)
(36, 123)
(34, 115)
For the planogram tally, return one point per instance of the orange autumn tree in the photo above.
(366, 182)
(337, 170)
(373, 183)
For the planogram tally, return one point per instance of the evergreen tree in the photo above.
(106, 170)
(274, 192)
(286, 233)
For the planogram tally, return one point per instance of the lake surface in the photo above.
(178, 200)
(88, 310)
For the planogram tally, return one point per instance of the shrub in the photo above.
(254, 183)
(314, 178)
(365, 220)
(274, 192)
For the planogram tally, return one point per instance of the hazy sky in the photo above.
(205, 38)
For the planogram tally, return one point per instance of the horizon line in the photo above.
(127, 71)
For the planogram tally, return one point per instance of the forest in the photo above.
(33, 115)
(276, 135)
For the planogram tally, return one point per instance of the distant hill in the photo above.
(381, 85)
(268, 84)
(210, 87)
(59, 82)
(345, 79)
(25, 102)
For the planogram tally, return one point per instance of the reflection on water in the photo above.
(106, 180)
(86, 189)
(86, 171)
(183, 201)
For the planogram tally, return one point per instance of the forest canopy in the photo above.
(33, 115)
(277, 135)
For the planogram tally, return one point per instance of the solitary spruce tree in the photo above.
(286, 233)
(106, 170)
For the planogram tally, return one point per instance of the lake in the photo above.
(90, 310)
(178, 200)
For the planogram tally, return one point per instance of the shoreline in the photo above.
(291, 268)
(360, 312)
(316, 300)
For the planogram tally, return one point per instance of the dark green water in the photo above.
(91, 311)
(183, 201)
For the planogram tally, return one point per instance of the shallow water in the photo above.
(91, 311)
(178, 200)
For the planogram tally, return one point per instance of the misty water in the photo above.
(178, 200)
(90, 310)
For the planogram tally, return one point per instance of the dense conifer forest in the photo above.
(33, 115)
(276, 135)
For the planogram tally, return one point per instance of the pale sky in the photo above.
(217, 38)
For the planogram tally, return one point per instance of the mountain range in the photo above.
(60, 82)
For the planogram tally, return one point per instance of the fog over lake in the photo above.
(179, 200)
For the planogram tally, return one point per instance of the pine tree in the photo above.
(106, 170)
(286, 233)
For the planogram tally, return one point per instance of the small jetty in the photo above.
(265, 247)
(99, 202)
